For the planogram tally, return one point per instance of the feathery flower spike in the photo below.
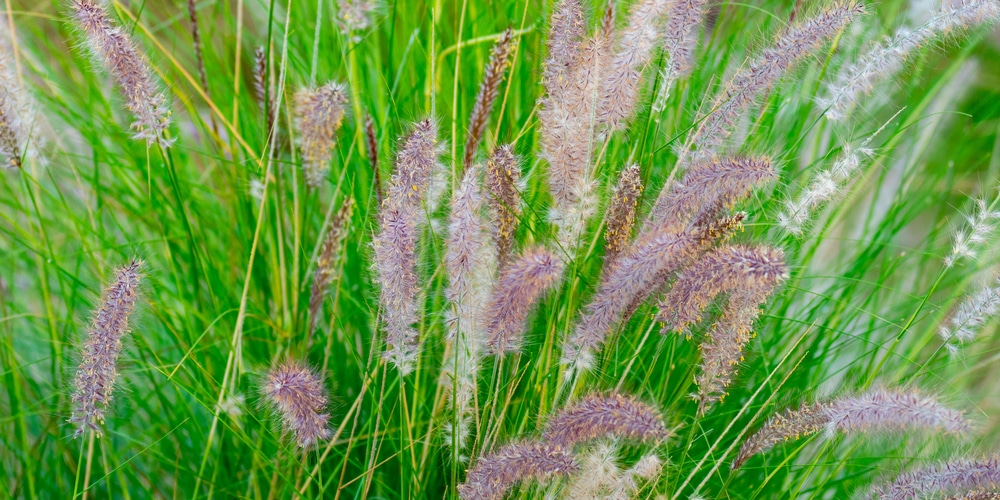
(355, 15)
(495, 69)
(503, 178)
(611, 415)
(635, 48)
(95, 379)
(395, 245)
(764, 71)
(372, 143)
(326, 263)
(600, 477)
(970, 317)
(498, 472)
(684, 17)
(471, 264)
(878, 410)
(298, 395)
(888, 56)
(621, 212)
(952, 477)
(120, 57)
(966, 243)
(320, 112)
(522, 283)
(13, 112)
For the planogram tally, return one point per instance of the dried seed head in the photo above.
(953, 477)
(503, 178)
(522, 283)
(621, 212)
(878, 410)
(498, 472)
(762, 73)
(116, 51)
(887, 57)
(684, 17)
(372, 143)
(355, 15)
(395, 245)
(13, 115)
(326, 270)
(634, 50)
(981, 225)
(495, 69)
(95, 378)
(612, 415)
(970, 317)
(320, 112)
(298, 395)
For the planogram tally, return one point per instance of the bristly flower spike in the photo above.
(954, 477)
(966, 243)
(13, 115)
(612, 415)
(970, 317)
(113, 46)
(684, 17)
(634, 50)
(320, 112)
(877, 410)
(355, 16)
(395, 245)
(326, 268)
(298, 395)
(887, 57)
(521, 284)
(95, 378)
(488, 89)
(621, 212)
(503, 181)
(498, 472)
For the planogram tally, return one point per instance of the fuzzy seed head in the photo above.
(634, 51)
(503, 180)
(522, 283)
(354, 16)
(298, 395)
(320, 112)
(95, 378)
(621, 212)
(953, 477)
(14, 114)
(498, 472)
(112, 46)
(495, 69)
(612, 415)
(970, 317)
(981, 225)
(326, 269)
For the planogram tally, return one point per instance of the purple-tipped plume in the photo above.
(355, 15)
(749, 275)
(498, 472)
(970, 317)
(878, 410)
(763, 72)
(613, 415)
(13, 115)
(503, 178)
(634, 50)
(707, 188)
(372, 142)
(298, 395)
(954, 477)
(684, 17)
(326, 269)
(621, 212)
(521, 285)
(887, 57)
(320, 112)
(395, 246)
(116, 51)
(495, 70)
(95, 379)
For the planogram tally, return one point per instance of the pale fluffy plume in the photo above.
(634, 48)
(503, 180)
(888, 56)
(498, 472)
(120, 57)
(298, 395)
(471, 264)
(970, 317)
(766, 69)
(488, 89)
(521, 284)
(749, 276)
(355, 15)
(877, 410)
(98, 371)
(954, 477)
(14, 119)
(981, 225)
(320, 112)
(684, 18)
(395, 246)
(601, 478)
(605, 416)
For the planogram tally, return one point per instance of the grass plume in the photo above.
(488, 89)
(297, 393)
(320, 112)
